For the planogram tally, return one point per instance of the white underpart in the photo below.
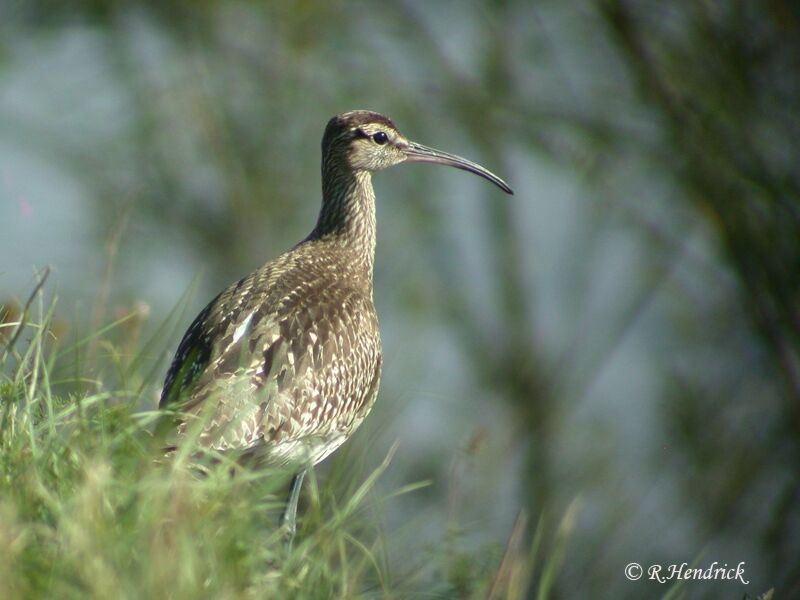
(242, 328)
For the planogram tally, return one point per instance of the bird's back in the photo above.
(285, 363)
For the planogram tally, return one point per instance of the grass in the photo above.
(87, 509)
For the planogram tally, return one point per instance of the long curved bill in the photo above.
(419, 153)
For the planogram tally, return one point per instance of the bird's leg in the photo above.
(289, 521)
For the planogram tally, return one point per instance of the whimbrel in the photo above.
(284, 364)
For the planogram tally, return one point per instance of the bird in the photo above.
(284, 365)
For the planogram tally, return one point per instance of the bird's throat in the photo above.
(347, 216)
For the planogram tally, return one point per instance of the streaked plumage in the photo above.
(285, 364)
(290, 355)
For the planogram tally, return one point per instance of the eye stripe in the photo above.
(360, 133)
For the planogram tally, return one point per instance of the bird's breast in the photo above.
(295, 362)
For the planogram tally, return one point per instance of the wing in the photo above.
(192, 356)
(222, 322)
(202, 339)
(282, 365)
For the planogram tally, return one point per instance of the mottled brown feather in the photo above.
(285, 363)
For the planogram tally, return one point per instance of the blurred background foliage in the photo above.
(625, 330)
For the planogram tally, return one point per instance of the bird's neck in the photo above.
(347, 217)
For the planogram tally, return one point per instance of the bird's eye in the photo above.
(380, 138)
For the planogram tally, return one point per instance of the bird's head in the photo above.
(368, 141)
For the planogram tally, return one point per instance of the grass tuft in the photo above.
(89, 510)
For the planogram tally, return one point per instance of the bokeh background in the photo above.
(619, 341)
